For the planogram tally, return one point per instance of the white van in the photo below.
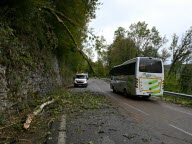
(81, 79)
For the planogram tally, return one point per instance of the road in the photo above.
(164, 120)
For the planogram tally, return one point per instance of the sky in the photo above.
(168, 16)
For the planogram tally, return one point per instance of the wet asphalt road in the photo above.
(166, 121)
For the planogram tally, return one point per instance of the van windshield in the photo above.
(150, 65)
(81, 76)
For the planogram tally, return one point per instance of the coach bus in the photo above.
(141, 76)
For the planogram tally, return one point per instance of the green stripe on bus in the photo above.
(152, 82)
(160, 95)
(154, 87)
(156, 92)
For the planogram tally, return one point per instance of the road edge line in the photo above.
(62, 130)
(180, 130)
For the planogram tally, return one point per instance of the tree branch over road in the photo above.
(54, 12)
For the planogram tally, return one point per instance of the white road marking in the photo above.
(128, 105)
(177, 110)
(136, 109)
(181, 111)
(62, 131)
(180, 129)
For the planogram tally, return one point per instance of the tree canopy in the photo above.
(138, 40)
(181, 51)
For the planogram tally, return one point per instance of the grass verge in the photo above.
(66, 102)
(177, 100)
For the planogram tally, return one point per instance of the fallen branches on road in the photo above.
(31, 116)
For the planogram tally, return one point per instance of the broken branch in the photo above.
(31, 116)
(54, 12)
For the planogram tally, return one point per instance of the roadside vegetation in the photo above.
(178, 100)
(66, 102)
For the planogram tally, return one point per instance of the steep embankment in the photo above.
(37, 54)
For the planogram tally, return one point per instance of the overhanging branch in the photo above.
(54, 12)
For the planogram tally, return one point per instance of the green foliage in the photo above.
(186, 79)
(171, 83)
(165, 54)
(148, 40)
(120, 32)
(178, 100)
(139, 40)
(181, 51)
(121, 50)
(100, 68)
(179, 79)
(18, 126)
(2, 121)
(77, 102)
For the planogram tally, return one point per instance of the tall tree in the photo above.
(121, 49)
(120, 33)
(139, 40)
(181, 51)
(164, 54)
(186, 78)
(147, 40)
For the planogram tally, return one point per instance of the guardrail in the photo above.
(177, 94)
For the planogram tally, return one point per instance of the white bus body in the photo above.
(142, 76)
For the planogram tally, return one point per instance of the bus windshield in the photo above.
(150, 65)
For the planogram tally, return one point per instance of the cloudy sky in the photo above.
(168, 16)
